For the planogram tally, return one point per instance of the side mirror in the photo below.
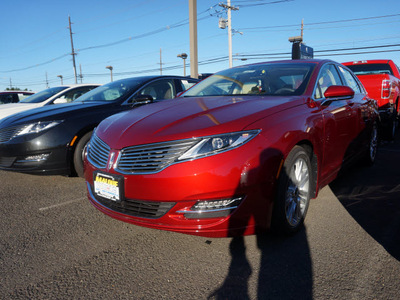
(338, 91)
(142, 99)
(60, 100)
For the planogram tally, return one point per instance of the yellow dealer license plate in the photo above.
(108, 186)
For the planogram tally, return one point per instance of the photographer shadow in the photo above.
(284, 270)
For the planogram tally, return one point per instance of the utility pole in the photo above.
(194, 68)
(302, 28)
(10, 84)
(229, 8)
(47, 81)
(72, 47)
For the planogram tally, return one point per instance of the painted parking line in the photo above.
(60, 204)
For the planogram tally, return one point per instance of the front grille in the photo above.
(151, 158)
(137, 208)
(8, 133)
(98, 152)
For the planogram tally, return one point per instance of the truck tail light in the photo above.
(385, 89)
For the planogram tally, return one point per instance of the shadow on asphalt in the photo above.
(372, 196)
(285, 269)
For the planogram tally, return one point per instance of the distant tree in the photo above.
(15, 89)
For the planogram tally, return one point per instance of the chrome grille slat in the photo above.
(151, 158)
(98, 152)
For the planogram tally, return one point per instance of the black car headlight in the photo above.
(36, 127)
(218, 143)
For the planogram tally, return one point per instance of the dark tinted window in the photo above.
(8, 98)
(370, 69)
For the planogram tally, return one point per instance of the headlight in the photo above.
(36, 127)
(218, 143)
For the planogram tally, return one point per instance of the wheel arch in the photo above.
(72, 146)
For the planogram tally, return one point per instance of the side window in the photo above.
(9, 98)
(22, 96)
(159, 89)
(350, 80)
(327, 77)
(75, 93)
(187, 83)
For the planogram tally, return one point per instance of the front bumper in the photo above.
(174, 192)
(39, 154)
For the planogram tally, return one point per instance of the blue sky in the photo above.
(128, 35)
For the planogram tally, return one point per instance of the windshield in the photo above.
(370, 69)
(262, 79)
(43, 95)
(113, 91)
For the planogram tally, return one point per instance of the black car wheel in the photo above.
(294, 192)
(79, 153)
(370, 155)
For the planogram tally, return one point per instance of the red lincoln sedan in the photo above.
(240, 152)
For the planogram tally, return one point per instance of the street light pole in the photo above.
(183, 56)
(61, 77)
(111, 69)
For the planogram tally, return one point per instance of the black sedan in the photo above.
(51, 140)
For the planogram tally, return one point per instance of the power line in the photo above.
(168, 27)
(321, 23)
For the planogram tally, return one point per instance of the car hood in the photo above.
(189, 117)
(13, 108)
(51, 113)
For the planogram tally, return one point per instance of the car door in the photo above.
(360, 106)
(339, 122)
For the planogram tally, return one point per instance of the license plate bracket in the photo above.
(108, 186)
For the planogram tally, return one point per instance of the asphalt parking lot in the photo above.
(55, 245)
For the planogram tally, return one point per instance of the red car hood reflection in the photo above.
(189, 117)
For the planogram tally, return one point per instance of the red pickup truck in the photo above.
(381, 79)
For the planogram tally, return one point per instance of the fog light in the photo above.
(212, 209)
(38, 157)
(31, 160)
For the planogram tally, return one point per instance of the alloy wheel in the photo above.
(298, 190)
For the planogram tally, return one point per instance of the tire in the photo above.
(79, 153)
(391, 128)
(370, 155)
(294, 190)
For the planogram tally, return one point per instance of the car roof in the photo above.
(367, 61)
(15, 91)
